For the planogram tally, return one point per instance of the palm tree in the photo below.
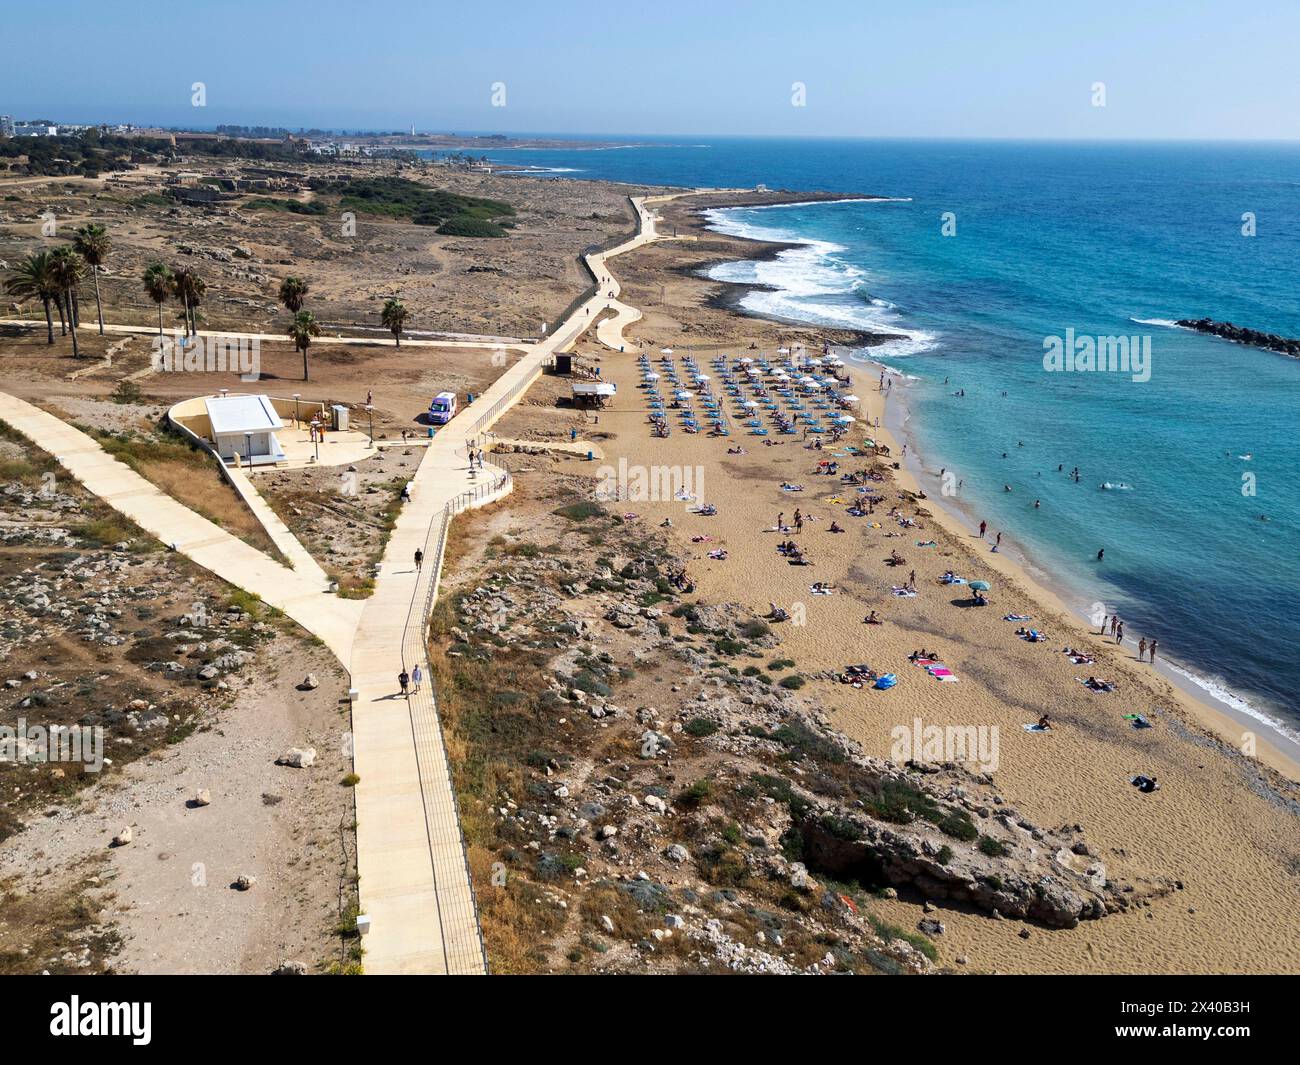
(303, 329)
(293, 290)
(158, 286)
(69, 268)
(189, 288)
(34, 280)
(93, 244)
(394, 317)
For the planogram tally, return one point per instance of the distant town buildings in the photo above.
(6, 126)
(35, 129)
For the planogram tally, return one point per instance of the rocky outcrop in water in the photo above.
(1242, 335)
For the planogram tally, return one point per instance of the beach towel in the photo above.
(904, 593)
(1138, 721)
(1035, 727)
(821, 591)
(1019, 617)
(887, 680)
(941, 672)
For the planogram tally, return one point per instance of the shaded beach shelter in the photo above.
(702, 377)
(665, 351)
(844, 419)
(683, 394)
(850, 399)
(652, 377)
(749, 403)
(813, 386)
(746, 360)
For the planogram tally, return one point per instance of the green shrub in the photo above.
(700, 726)
(992, 847)
(794, 682)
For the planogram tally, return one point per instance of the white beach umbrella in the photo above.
(844, 419)
(851, 399)
(749, 403)
(652, 377)
(702, 377)
(682, 395)
(746, 360)
(665, 351)
(783, 351)
(813, 386)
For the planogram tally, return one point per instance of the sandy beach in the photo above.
(1222, 824)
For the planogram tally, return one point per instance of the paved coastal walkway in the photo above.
(414, 878)
(415, 884)
(303, 595)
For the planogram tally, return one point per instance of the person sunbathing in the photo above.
(872, 619)
(835, 526)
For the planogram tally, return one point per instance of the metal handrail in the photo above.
(434, 557)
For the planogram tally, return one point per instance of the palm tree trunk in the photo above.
(63, 321)
(397, 339)
(76, 348)
(304, 365)
(76, 307)
(49, 322)
(186, 300)
(99, 307)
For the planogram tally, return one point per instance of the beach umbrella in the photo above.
(652, 377)
(783, 351)
(665, 351)
(851, 399)
(702, 377)
(749, 403)
(746, 360)
(979, 586)
(845, 419)
(682, 395)
(812, 386)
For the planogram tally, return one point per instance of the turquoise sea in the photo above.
(1104, 240)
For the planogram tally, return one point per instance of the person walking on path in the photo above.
(419, 559)
(417, 677)
(404, 678)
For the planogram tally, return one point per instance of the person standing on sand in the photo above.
(1153, 651)
(780, 522)
(983, 526)
(1119, 632)
(1114, 620)
(1142, 648)
(998, 542)
(1104, 619)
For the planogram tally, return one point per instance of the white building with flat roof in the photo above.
(245, 426)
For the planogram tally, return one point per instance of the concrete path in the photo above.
(362, 341)
(301, 595)
(415, 884)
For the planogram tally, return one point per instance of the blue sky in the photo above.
(1171, 68)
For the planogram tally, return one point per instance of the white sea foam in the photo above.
(1164, 322)
(1217, 688)
(812, 283)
